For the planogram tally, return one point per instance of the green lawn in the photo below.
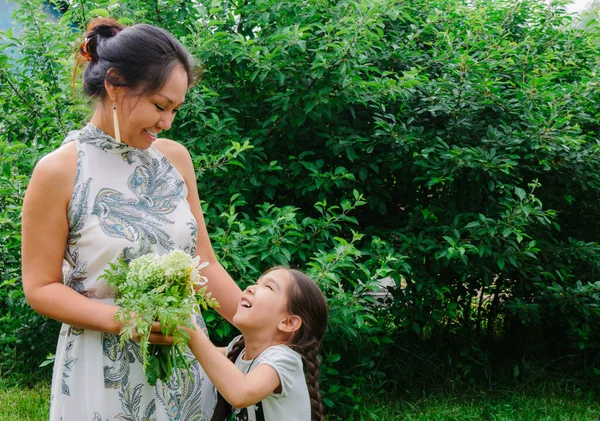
(509, 406)
(25, 404)
(535, 405)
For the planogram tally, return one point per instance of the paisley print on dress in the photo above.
(126, 202)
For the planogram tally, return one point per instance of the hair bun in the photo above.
(100, 28)
(104, 27)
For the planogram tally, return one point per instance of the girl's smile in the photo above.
(244, 303)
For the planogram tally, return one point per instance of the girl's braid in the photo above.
(310, 355)
(223, 409)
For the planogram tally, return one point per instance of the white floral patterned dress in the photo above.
(126, 202)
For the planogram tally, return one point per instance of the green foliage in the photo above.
(25, 337)
(451, 146)
(282, 236)
(469, 130)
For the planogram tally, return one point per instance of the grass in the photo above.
(508, 406)
(539, 403)
(22, 404)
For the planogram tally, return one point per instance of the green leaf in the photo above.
(501, 263)
(153, 370)
(99, 13)
(333, 358)
(351, 153)
(126, 21)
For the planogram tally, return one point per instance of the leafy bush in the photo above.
(450, 145)
(469, 129)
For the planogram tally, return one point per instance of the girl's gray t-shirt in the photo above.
(293, 403)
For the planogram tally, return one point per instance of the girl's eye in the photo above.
(269, 286)
(158, 107)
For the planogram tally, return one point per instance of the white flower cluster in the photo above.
(146, 272)
(175, 268)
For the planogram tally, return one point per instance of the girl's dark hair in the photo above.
(142, 57)
(306, 301)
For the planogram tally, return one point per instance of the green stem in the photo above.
(185, 363)
(173, 355)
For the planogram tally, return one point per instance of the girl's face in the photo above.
(264, 305)
(141, 119)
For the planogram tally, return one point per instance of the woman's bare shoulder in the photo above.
(58, 169)
(172, 149)
(177, 154)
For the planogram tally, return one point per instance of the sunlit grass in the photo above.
(23, 404)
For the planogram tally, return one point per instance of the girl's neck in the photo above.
(255, 343)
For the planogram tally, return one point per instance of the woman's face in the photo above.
(142, 118)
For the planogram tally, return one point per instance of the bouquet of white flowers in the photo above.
(166, 289)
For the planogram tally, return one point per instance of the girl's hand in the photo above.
(195, 329)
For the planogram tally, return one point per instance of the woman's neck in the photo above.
(257, 342)
(101, 120)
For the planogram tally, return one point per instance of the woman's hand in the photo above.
(157, 337)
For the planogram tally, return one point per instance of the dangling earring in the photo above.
(116, 123)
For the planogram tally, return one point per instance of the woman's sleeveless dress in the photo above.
(126, 202)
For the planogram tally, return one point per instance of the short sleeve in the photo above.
(286, 362)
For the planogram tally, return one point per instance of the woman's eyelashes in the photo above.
(161, 109)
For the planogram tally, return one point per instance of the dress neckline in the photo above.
(92, 134)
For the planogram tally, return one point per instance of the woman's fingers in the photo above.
(160, 339)
(156, 336)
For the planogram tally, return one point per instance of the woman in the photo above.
(115, 190)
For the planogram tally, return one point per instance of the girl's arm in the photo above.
(44, 238)
(220, 284)
(239, 389)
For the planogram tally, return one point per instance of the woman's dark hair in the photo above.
(306, 301)
(142, 57)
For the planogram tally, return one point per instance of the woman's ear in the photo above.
(290, 324)
(111, 89)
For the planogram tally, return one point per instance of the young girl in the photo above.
(282, 318)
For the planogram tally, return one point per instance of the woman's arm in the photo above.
(44, 233)
(220, 284)
(44, 238)
(239, 389)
